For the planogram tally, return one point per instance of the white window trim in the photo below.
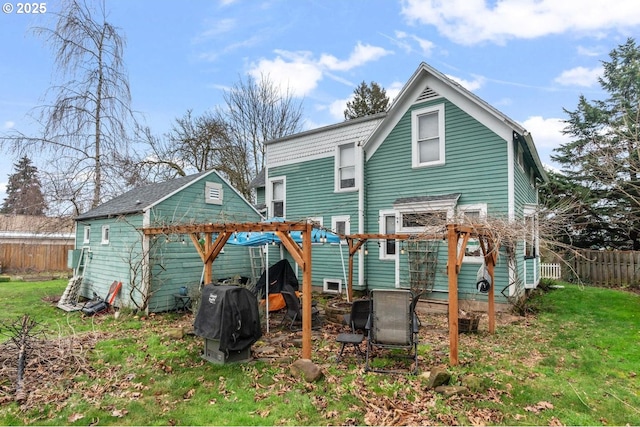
(530, 211)
(106, 235)
(87, 234)
(414, 136)
(479, 207)
(347, 224)
(418, 207)
(269, 189)
(337, 188)
(325, 286)
(383, 255)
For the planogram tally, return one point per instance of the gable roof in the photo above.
(142, 198)
(427, 82)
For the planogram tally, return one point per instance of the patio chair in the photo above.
(294, 310)
(357, 321)
(393, 324)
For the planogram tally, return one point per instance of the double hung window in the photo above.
(428, 136)
(346, 167)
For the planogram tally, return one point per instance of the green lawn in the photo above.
(575, 362)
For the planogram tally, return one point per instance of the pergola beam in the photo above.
(302, 256)
(455, 253)
(211, 250)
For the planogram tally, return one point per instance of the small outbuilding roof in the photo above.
(140, 199)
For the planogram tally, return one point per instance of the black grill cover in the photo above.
(281, 276)
(228, 314)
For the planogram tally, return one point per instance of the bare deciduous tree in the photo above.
(257, 111)
(87, 119)
(194, 144)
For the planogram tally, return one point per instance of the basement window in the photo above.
(332, 286)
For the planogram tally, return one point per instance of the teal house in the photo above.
(110, 245)
(439, 155)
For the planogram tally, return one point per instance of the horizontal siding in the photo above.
(310, 193)
(476, 166)
(188, 206)
(173, 263)
(176, 265)
(110, 262)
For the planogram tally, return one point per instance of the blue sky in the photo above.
(528, 58)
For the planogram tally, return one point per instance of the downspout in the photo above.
(146, 268)
(361, 190)
(512, 272)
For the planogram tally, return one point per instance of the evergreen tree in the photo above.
(602, 162)
(367, 100)
(24, 193)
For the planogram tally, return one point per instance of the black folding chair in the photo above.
(393, 324)
(357, 321)
(294, 311)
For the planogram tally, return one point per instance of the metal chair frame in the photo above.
(357, 320)
(393, 324)
(294, 309)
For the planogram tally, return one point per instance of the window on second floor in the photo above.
(87, 234)
(278, 197)
(428, 145)
(346, 167)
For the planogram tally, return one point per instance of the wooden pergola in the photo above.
(455, 234)
(301, 254)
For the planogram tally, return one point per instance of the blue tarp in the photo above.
(261, 238)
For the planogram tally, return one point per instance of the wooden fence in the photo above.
(606, 268)
(33, 257)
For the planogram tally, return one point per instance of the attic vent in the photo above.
(213, 193)
(426, 94)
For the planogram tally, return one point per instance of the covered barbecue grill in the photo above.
(229, 321)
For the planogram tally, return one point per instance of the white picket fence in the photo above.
(550, 271)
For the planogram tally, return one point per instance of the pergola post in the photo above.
(306, 292)
(452, 273)
(208, 263)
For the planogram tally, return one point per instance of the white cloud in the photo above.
(361, 55)
(426, 46)
(337, 107)
(589, 51)
(470, 85)
(579, 76)
(547, 133)
(300, 71)
(299, 75)
(475, 21)
(215, 28)
(9, 124)
(393, 90)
